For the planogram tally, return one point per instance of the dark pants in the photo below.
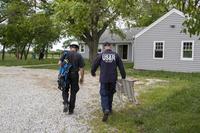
(107, 91)
(73, 86)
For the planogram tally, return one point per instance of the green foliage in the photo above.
(193, 18)
(25, 27)
(44, 32)
(68, 42)
(151, 10)
(87, 20)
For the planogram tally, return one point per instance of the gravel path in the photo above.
(31, 102)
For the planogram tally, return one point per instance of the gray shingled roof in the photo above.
(114, 38)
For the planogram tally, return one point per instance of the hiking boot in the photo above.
(105, 116)
(66, 108)
(71, 112)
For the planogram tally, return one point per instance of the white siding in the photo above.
(143, 55)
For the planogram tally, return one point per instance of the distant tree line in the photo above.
(40, 23)
(26, 24)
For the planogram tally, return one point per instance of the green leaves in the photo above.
(193, 17)
(71, 15)
(25, 27)
(151, 10)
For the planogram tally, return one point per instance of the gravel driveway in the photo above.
(31, 102)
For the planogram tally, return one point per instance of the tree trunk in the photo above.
(93, 48)
(22, 52)
(26, 53)
(17, 53)
(41, 54)
(3, 52)
(46, 52)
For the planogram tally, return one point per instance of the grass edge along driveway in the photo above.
(165, 108)
(172, 107)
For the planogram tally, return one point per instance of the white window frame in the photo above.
(182, 44)
(83, 48)
(154, 47)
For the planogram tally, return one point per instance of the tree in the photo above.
(192, 10)
(3, 5)
(151, 10)
(3, 39)
(45, 33)
(87, 20)
(18, 26)
(25, 28)
(67, 42)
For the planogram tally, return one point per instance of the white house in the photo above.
(162, 46)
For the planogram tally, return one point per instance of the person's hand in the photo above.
(81, 80)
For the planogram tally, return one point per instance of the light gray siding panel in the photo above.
(143, 47)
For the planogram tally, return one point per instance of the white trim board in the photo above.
(159, 20)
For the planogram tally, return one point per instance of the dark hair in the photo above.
(107, 44)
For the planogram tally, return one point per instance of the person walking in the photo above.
(77, 62)
(108, 62)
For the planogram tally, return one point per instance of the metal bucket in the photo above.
(126, 87)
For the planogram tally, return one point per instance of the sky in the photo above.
(58, 45)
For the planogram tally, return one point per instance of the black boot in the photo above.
(105, 116)
(71, 111)
(66, 108)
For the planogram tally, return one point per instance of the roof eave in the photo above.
(159, 20)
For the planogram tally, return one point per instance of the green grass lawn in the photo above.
(172, 107)
(10, 60)
(14, 62)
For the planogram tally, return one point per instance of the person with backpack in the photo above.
(108, 62)
(77, 66)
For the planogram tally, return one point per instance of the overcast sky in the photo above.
(59, 45)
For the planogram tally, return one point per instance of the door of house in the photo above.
(123, 51)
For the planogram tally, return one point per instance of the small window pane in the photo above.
(159, 54)
(158, 50)
(187, 54)
(187, 49)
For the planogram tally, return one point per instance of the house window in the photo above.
(158, 50)
(82, 48)
(187, 50)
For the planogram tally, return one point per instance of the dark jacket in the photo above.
(75, 59)
(108, 62)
